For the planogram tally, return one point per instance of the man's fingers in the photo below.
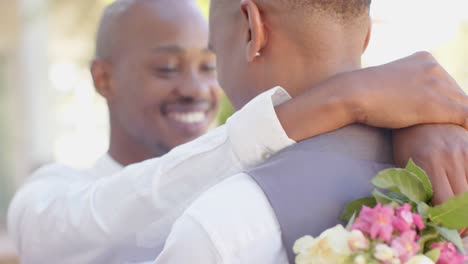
(439, 180)
(453, 85)
(464, 162)
(466, 170)
(463, 232)
(459, 116)
(464, 117)
(441, 184)
(457, 177)
(456, 94)
(444, 79)
(464, 235)
(448, 112)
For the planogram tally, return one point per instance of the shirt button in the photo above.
(266, 155)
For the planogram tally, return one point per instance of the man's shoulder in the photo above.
(53, 168)
(234, 213)
(57, 170)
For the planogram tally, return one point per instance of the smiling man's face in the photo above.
(163, 77)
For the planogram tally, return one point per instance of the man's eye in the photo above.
(167, 69)
(208, 68)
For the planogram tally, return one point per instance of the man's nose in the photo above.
(194, 85)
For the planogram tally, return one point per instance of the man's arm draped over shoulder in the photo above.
(62, 213)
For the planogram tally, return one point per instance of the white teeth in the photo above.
(189, 118)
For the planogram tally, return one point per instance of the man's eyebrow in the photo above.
(169, 49)
(176, 49)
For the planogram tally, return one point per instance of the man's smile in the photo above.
(192, 118)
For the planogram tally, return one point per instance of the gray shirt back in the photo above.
(309, 184)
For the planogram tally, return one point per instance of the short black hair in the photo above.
(342, 9)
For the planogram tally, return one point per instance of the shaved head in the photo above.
(108, 27)
(110, 32)
(340, 9)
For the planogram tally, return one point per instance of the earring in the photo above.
(258, 54)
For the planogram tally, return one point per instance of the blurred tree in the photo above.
(205, 5)
(5, 142)
(72, 29)
(225, 110)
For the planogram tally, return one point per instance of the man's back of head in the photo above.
(315, 38)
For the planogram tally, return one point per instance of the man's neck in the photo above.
(301, 59)
(125, 150)
(309, 72)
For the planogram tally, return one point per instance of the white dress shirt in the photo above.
(232, 223)
(201, 235)
(63, 215)
(105, 166)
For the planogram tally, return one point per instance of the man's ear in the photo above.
(100, 71)
(368, 36)
(256, 38)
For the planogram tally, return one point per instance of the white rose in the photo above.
(329, 248)
(360, 260)
(357, 241)
(420, 259)
(383, 253)
(303, 244)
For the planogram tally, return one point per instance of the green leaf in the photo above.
(355, 206)
(423, 210)
(452, 214)
(452, 236)
(422, 175)
(351, 221)
(381, 197)
(398, 198)
(428, 234)
(389, 197)
(434, 254)
(402, 181)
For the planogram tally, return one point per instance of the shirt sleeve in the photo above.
(189, 243)
(63, 216)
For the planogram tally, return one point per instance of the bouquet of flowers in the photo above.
(397, 225)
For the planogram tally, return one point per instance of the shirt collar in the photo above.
(107, 166)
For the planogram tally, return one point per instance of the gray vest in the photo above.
(309, 184)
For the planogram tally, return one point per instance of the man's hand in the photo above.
(414, 90)
(441, 150)
(411, 91)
